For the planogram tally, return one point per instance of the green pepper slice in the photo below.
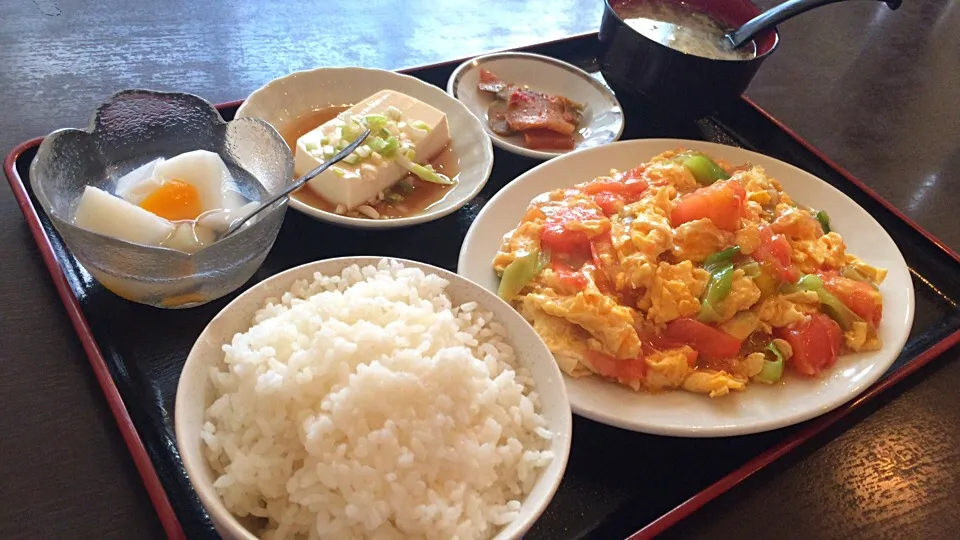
(724, 256)
(520, 272)
(824, 220)
(718, 288)
(752, 269)
(772, 370)
(850, 272)
(704, 169)
(832, 305)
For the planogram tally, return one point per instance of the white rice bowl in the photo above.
(366, 404)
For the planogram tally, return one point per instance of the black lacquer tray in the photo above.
(137, 352)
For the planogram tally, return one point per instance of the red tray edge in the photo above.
(739, 475)
(734, 478)
(731, 480)
(847, 175)
(157, 494)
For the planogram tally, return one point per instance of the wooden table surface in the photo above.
(876, 90)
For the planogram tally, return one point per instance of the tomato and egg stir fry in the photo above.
(686, 272)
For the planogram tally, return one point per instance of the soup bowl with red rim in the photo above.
(677, 83)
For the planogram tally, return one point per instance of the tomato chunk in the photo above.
(602, 253)
(774, 252)
(631, 189)
(560, 239)
(635, 173)
(721, 203)
(557, 237)
(568, 276)
(611, 194)
(860, 297)
(631, 369)
(816, 343)
(611, 203)
(709, 342)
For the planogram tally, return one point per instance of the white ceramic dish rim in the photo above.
(545, 487)
(361, 223)
(517, 149)
(643, 425)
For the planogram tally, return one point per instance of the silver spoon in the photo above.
(299, 182)
(777, 15)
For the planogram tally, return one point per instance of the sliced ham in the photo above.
(546, 121)
(533, 110)
(544, 139)
(489, 82)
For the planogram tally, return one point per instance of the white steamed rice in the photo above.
(366, 405)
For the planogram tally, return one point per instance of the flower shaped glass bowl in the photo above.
(130, 129)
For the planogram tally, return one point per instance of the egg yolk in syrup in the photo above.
(174, 200)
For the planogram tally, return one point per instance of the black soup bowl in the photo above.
(678, 84)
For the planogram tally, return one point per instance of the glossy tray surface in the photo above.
(617, 482)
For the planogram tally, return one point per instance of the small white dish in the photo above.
(682, 414)
(195, 391)
(289, 98)
(602, 118)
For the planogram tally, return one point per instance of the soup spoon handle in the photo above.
(778, 14)
(299, 182)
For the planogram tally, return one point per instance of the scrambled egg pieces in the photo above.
(688, 273)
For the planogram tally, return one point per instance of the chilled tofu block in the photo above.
(404, 132)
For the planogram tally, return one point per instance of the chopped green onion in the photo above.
(324, 140)
(393, 113)
(350, 132)
(421, 125)
(376, 121)
(376, 144)
(385, 147)
(352, 159)
(310, 146)
(363, 151)
(824, 220)
(429, 175)
(772, 370)
(339, 172)
(391, 146)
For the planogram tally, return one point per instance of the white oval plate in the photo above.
(682, 414)
(195, 391)
(602, 118)
(290, 97)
